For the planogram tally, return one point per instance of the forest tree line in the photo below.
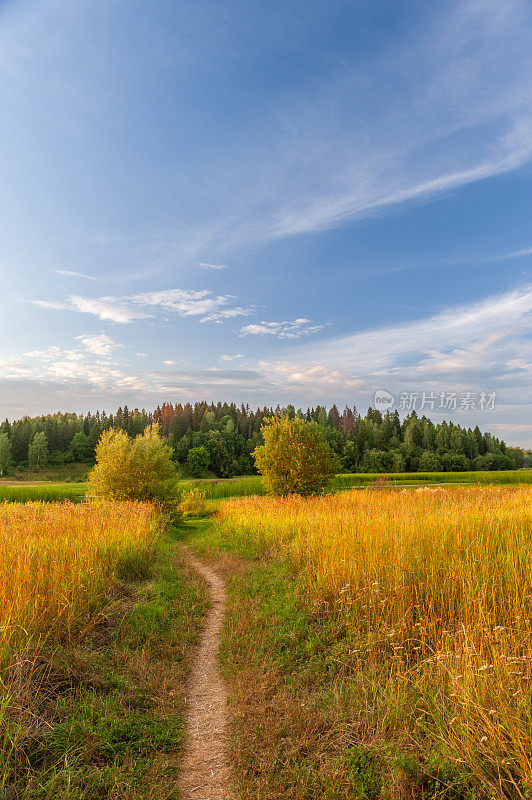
(219, 439)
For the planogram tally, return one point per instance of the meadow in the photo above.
(25, 492)
(377, 646)
(387, 635)
(225, 488)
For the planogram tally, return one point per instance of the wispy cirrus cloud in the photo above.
(407, 346)
(146, 305)
(209, 376)
(364, 201)
(468, 120)
(67, 273)
(526, 251)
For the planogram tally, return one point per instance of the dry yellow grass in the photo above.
(435, 586)
(58, 563)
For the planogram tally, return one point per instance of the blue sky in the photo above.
(266, 202)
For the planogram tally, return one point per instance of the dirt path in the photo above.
(204, 769)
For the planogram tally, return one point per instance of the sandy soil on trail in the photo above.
(204, 768)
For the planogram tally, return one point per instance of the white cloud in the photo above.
(45, 355)
(315, 379)
(11, 368)
(47, 304)
(481, 346)
(293, 329)
(169, 363)
(108, 308)
(229, 357)
(205, 265)
(184, 302)
(69, 274)
(505, 315)
(99, 344)
(527, 251)
(228, 313)
(102, 375)
(90, 365)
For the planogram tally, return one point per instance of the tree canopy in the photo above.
(373, 442)
(133, 469)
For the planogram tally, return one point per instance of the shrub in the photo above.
(295, 457)
(133, 469)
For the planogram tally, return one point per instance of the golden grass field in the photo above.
(58, 563)
(434, 588)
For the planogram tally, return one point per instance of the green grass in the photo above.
(224, 488)
(219, 489)
(48, 492)
(106, 720)
(502, 478)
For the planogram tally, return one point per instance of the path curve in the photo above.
(204, 768)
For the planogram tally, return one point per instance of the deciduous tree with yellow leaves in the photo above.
(133, 469)
(295, 457)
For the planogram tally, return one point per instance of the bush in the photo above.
(295, 457)
(133, 469)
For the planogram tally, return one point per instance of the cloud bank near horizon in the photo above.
(479, 346)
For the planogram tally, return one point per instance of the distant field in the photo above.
(502, 478)
(223, 488)
(218, 489)
(48, 492)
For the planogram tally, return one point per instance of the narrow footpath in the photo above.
(205, 769)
